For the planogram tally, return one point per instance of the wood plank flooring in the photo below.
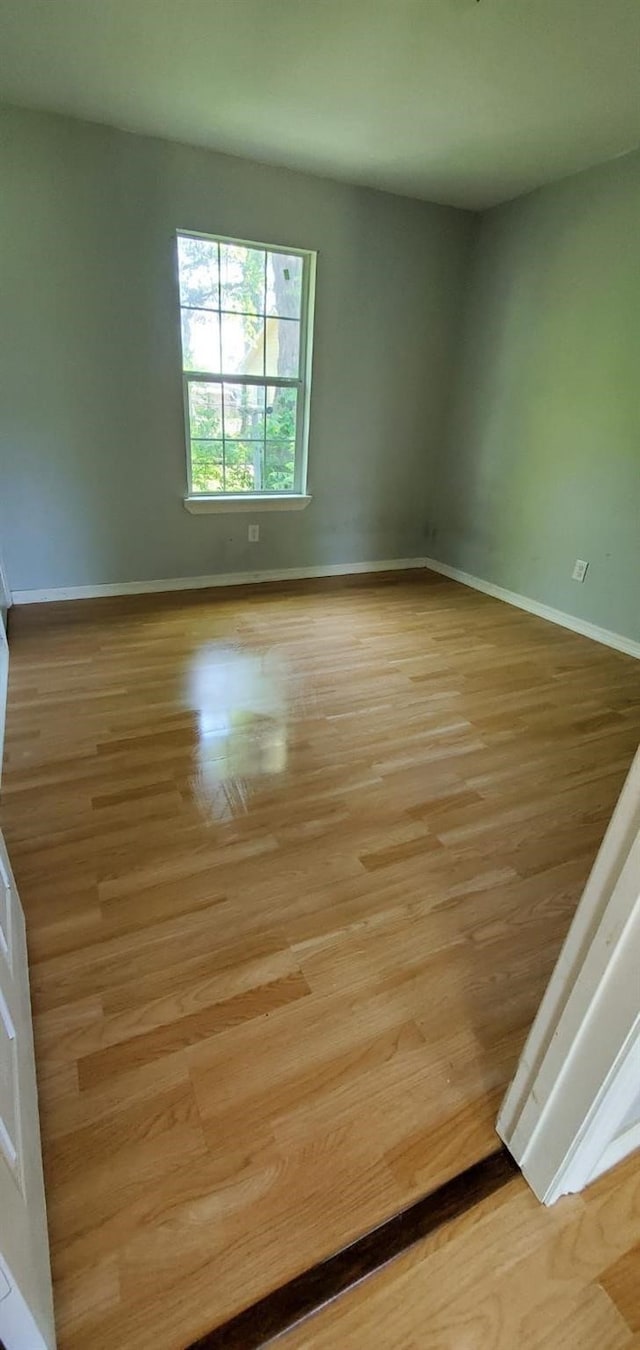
(508, 1275)
(296, 866)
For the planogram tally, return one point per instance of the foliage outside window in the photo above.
(244, 312)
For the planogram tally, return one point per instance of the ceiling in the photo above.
(463, 101)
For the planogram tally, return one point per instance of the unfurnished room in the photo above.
(319, 674)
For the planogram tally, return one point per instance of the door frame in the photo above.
(5, 605)
(5, 594)
(18, 1326)
(26, 1306)
(563, 1115)
(6, 599)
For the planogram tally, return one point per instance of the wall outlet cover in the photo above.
(254, 534)
(580, 570)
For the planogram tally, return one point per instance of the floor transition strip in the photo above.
(281, 1310)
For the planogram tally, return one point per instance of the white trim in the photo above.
(589, 1076)
(215, 580)
(590, 630)
(578, 1072)
(18, 1327)
(247, 243)
(619, 1148)
(617, 841)
(6, 597)
(602, 1127)
(198, 504)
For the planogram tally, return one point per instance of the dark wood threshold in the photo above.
(285, 1307)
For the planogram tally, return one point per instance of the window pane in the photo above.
(205, 410)
(200, 340)
(244, 411)
(207, 461)
(284, 285)
(281, 413)
(198, 269)
(243, 466)
(283, 347)
(242, 344)
(242, 278)
(279, 466)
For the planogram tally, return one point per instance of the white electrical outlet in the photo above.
(254, 534)
(580, 570)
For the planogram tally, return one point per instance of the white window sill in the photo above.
(198, 504)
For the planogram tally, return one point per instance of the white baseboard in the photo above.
(590, 630)
(217, 579)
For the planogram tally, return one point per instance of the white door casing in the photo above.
(26, 1307)
(571, 1110)
(5, 593)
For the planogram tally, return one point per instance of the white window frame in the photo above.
(298, 497)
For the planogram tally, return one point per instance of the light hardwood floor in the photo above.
(508, 1275)
(296, 867)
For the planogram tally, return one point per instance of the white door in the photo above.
(573, 1108)
(26, 1306)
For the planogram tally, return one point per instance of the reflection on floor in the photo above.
(241, 700)
(296, 868)
(509, 1275)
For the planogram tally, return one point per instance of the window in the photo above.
(245, 313)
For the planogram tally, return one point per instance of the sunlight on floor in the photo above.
(240, 699)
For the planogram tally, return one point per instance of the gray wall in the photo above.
(92, 460)
(543, 461)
